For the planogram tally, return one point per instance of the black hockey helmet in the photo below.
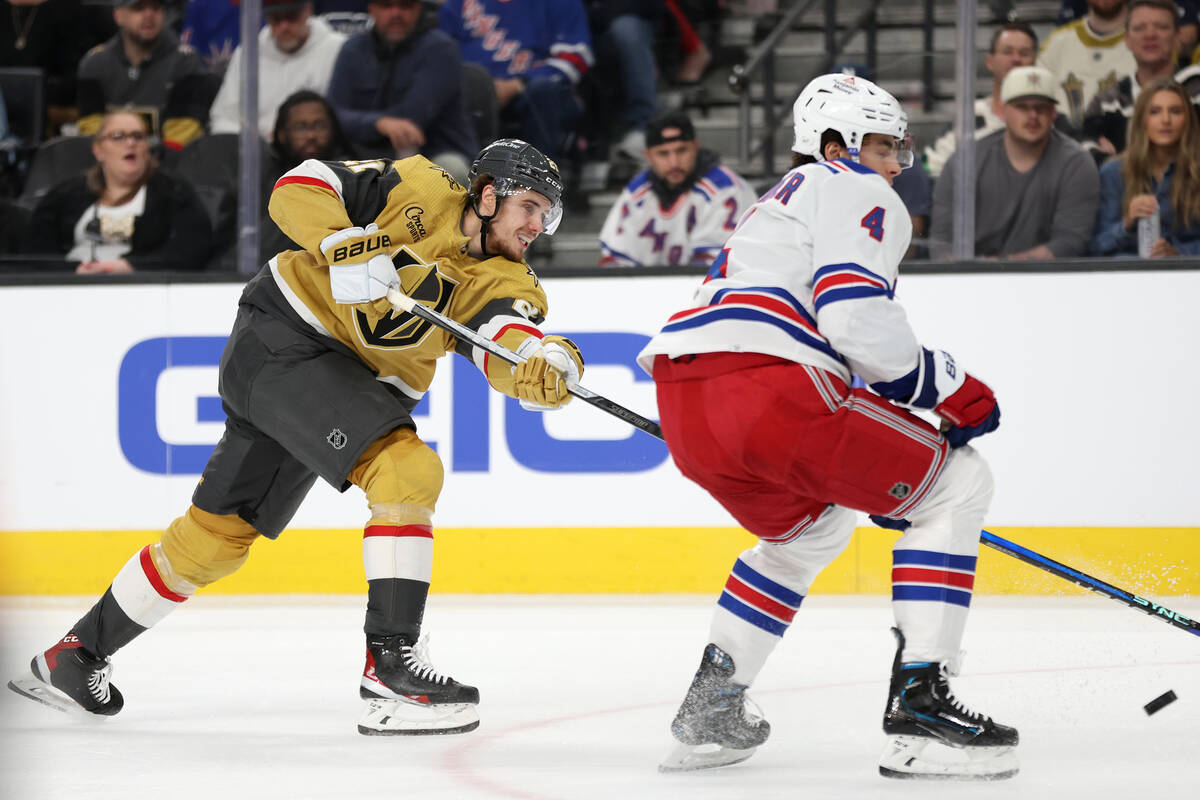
(516, 166)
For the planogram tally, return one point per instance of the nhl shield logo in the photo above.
(337, 439)
(900, 491)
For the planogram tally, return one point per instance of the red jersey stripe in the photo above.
(759, 600)
(961, 580)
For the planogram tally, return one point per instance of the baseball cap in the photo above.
(677, 120)
(1021, 82)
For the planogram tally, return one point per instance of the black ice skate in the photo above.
(717, 724)
(406, 696)
(68, 677)
(921, 710)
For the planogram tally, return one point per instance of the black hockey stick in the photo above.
(1088, 582)
(403, 302)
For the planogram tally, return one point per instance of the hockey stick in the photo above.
(1088, 582)
(403, 302)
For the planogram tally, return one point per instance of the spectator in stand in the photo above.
(1087, 57)
(1159, 174)
(696, 55)
(1036, 189)
(305, 127)
(145, 67)
(624, 34)
(296, 50)
(537, 52)
(52, 35)
(678, 211)
(1014, 44)
(1189, 23)
(123, 215)
(397, 88)
(1150, 34)
(213, 28)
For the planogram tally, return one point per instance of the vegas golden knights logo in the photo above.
(399, 329)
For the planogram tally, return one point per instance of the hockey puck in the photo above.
(1158, 703)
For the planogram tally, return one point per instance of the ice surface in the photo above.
(235, 698)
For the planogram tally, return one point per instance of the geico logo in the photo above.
(471, 447)
(361, 246)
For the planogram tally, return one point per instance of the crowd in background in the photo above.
(1087, 142)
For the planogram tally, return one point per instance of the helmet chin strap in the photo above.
(485, 222)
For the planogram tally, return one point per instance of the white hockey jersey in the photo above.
(808, 276)
(639, 232)
(1084, 64)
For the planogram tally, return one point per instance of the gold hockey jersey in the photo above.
(420, 207)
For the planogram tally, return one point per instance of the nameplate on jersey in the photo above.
(399, 329)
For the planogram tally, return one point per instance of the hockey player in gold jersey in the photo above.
(319, 378)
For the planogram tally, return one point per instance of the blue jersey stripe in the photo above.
(929, 558)
(765, 585)
(844, 267)
(619, 254)
(756, 618)
(937, 594)
(717, 314)
(774, 291)
(848, 293)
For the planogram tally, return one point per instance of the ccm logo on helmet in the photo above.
(361, 246)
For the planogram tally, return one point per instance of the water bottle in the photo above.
(1149, 232)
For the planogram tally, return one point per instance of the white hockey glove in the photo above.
(541, 382)
(360, 267)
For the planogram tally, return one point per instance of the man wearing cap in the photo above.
(296, 50)
(1036, 189)
(145, 67)
(678, 211)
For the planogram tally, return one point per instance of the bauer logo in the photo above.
(169, 417)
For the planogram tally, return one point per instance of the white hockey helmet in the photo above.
(853, 107)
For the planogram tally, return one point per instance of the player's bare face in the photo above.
(882, 154)
(308, 131)
(519, 221)
(142, 22)
(1150, 34)
(1013, 49)
(395, 19)
(1166, 119)
(673, 161)
(289, 29)
(1029, 119)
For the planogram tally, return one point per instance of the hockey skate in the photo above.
(71, 679)
(717, 724)
(923, 715)
(406, 696)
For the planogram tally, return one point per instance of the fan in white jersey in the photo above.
(678, 211)
(754, 386)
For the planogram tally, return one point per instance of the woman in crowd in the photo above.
(1158, 173)
(123, 215)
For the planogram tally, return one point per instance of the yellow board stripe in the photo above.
(1153, 561)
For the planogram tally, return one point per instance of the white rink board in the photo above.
(1096, 374)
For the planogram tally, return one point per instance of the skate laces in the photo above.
(944, 689)
(98, 683)
(416, 658)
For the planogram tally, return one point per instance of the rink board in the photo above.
(107, 422)
(1163, 561)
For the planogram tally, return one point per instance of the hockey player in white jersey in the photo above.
(681, 209)
(755, 395)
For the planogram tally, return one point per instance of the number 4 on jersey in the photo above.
(873, 222)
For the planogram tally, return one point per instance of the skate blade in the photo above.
(400, 718)
(689, 757)
(31, 687)
(919, 758)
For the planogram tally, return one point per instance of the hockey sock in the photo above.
(137, 599)
(752, 615)
(931, 593)
(398, 560)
